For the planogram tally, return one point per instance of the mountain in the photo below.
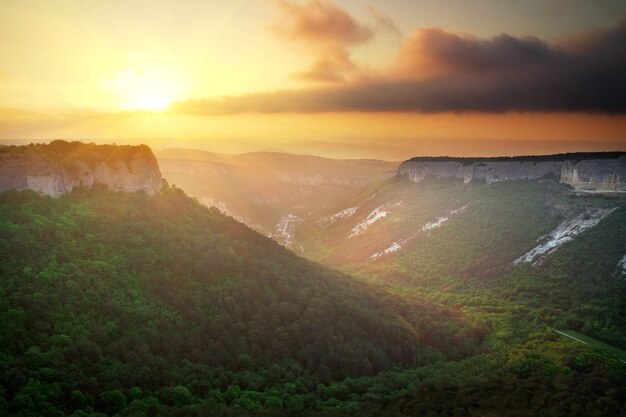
(58, 167)
(271, 192)
(503, 297)
(129, 303)
(539, 263)
(522, 197)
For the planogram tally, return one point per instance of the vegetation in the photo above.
(131, 305)
(68, 153)
(466, 264)
(619, 353)
(117, 302)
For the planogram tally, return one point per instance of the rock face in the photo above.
(60, 166)
(602, 171)
(596, 174)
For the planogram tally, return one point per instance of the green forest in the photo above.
(466, 266)
(137, 305)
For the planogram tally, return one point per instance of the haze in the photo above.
(346, 79)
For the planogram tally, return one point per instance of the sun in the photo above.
(154, 102)
(137, 89)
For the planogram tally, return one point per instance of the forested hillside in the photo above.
(474, 237)
(129, 304)
(117, 302)
(524, 259)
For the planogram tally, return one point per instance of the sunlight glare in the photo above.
(134, 89)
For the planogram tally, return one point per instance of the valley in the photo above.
(388, 296)
(313, 208)
(456, 242)
(267, 190)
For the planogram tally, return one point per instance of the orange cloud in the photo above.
(320, 21)
(330, 66)
(326, 31)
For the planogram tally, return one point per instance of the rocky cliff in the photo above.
(602, 171)
(56, 168)
(596, 174)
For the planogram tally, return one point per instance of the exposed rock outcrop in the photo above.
(596, 174)
(56, 168)
(602, 171)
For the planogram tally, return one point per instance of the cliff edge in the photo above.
(599, 171)
(58, 167)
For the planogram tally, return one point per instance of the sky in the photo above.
(344, 78)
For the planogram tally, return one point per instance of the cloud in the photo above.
(329, 66)
(439, 71)
(435, 52)
(326, 32)
(320, 21)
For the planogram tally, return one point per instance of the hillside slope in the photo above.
(522, 258)
(526, 238)
(109, 297)
(452, 227)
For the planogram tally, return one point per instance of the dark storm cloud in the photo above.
(439, 71)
